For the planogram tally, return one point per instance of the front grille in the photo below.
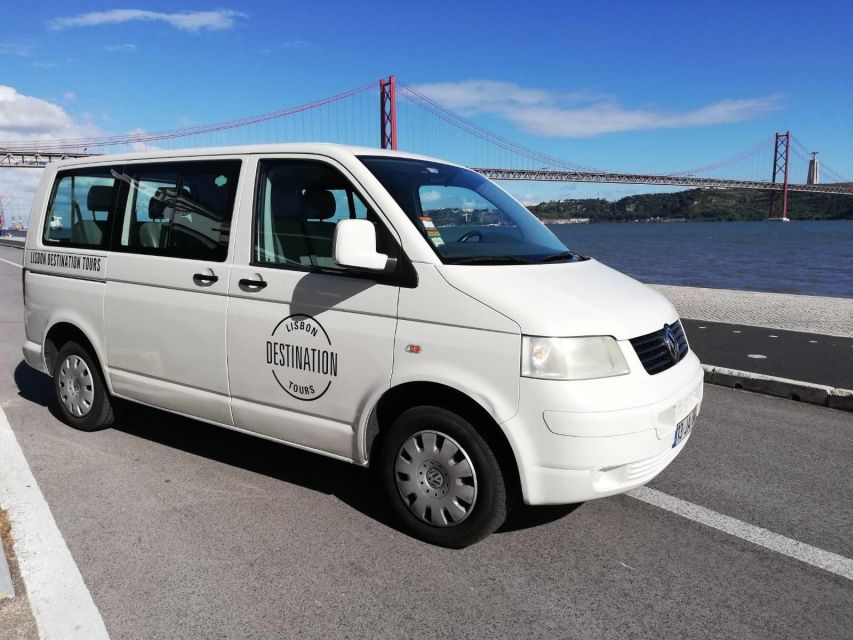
(653, 353)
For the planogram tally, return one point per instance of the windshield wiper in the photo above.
(563, 255)
(492, 260)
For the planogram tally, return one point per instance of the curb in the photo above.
(818, 394)
(9, 242)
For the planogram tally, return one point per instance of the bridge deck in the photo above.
(549, 175)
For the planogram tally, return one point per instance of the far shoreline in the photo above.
(566, 221)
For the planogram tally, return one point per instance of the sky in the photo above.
(646, 86)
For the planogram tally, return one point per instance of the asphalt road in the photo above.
(183, 530)
(808, 357)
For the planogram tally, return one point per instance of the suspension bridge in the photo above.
(409, 120)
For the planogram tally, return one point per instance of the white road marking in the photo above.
(756, 356)
(826, 560)
(61, 602)
(7, 587)
(14, 264)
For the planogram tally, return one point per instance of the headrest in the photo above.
(157, 205)
(318, 204)
(100, 198)
(284, 200)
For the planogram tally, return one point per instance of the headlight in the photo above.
(571, 358)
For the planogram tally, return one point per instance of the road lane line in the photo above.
(14, 264)
(61, 602)
(826, 560)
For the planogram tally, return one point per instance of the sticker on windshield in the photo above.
(432, 232)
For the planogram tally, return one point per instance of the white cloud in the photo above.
(69, 96)
(25, 117)
(141, 145)
(20, 49)
(580, 114)
(21, 185)
(527, 199)
(191, 21)
(430, 196)
(295, 44)
(121, 48)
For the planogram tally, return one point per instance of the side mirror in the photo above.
(354, 246)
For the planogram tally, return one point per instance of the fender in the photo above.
(478, 397)
(77, 320)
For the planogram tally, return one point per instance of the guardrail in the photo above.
(10, 241)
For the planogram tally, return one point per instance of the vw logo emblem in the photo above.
(435, 478)
(670, 342)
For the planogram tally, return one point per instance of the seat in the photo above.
(297, 214)
(152, 234)
(319, 205)
(87, 232)
(91, 232)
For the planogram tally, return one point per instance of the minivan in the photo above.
(382, 308)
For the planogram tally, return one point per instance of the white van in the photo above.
(376, 307)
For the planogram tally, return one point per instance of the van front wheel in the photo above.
(441, 478)
(81, 394)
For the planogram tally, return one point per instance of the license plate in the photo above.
(683, 428)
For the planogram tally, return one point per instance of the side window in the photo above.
(80, 211)
(179, 209)
(299, 204)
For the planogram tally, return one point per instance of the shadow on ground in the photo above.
(353, 485)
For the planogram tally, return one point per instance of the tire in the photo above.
(81, 395)
(441, 478)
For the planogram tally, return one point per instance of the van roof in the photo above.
(322, 148)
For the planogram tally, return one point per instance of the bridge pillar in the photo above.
(780, 170)
(388, 113)
(814, 170)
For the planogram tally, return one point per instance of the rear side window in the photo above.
(178, 209)
(81, 207)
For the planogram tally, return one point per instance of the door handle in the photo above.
(205, 278)
(252, 285)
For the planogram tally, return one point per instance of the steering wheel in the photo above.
(471, 234)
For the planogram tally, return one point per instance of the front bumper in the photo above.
(580, 440)
(33, 356)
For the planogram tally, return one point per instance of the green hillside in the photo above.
(698, 204)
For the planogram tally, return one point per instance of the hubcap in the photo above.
(436, 479)
(76, 388)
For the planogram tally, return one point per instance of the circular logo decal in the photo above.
(301, 357)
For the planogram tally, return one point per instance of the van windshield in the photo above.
(466, 218)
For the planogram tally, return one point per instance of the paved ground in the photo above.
(808, 357)
(811, 314)
(183, 530)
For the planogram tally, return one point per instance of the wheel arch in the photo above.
(404, 396)
(63, 331)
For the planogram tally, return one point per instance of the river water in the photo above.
(811, 258)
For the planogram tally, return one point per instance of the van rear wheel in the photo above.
(81, 394)
(441, 478)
